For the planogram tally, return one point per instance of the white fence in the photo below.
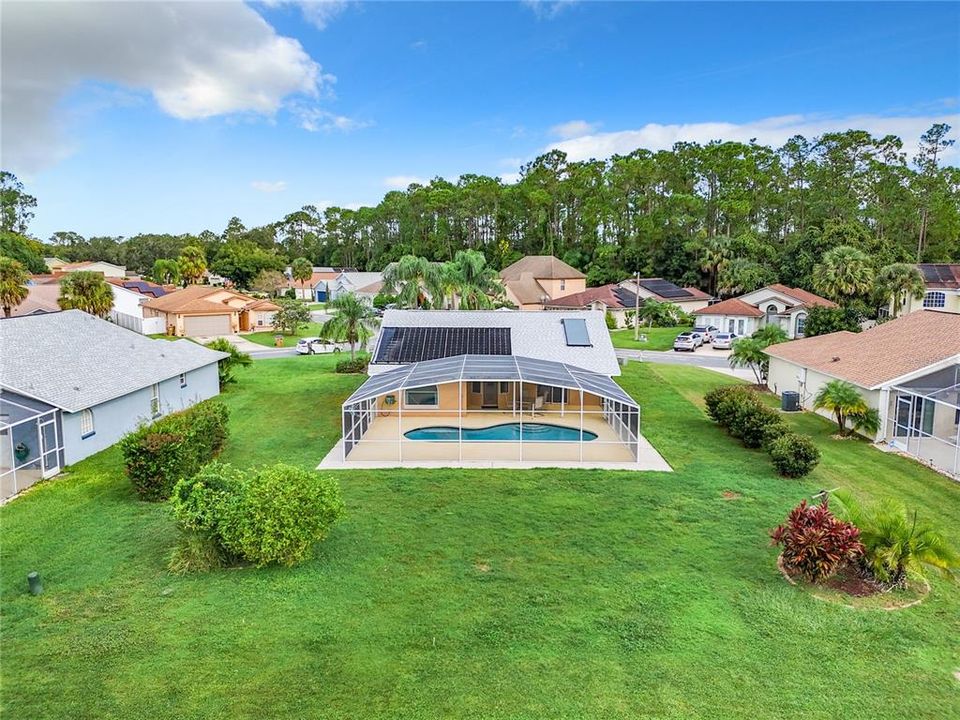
(144, 326)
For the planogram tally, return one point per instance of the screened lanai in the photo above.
(924, 418)
(482, 407)
(30, 443)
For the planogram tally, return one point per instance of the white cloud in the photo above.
(318, 13)
(267, 186)
(573, 129)
(402, 182)
(315, 119)
(548, 9)
(418, 45)
(510, 178)
(197, 60)
(768, 131)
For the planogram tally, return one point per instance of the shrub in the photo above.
(357, 365)
(176, 446)
(815, 543)
(610, 320)
(794, 455)
(290, 294)
(750, 423)
(724, 402)
(226, 365)
(773, 432)
(283, 511)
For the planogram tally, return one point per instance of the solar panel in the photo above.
(576, 331)
(626, 298)
(413, 344)
(665, 288)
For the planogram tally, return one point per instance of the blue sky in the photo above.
(188, 115)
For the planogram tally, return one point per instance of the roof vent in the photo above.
(835, 358)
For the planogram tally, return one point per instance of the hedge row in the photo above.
(744, 415)
(176, 446)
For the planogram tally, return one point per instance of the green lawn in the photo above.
(480, 594)
(266, 338)
(657, 338)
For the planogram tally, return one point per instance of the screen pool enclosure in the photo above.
(486, 407)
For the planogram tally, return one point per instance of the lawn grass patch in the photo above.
(472, 594)
(658, 338)
(311, 329)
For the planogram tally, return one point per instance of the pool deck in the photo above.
(383, 447)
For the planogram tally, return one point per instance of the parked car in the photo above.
(315, 346)
(724, 340)
(707, 331)
(687, 341)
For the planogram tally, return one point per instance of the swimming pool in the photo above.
(532, 432)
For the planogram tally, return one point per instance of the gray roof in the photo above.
(73, 360)
(490, 367)
(536, 334)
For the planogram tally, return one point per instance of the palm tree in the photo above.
(413, 280)
(353, 322)
(896, 544)
(900, 281)
(844, 272)
(301, 270)
(770, 335)
(750, 353)
(650, 311)
(472, 282)
(193, 264)
(842, 399)
(165, 272)
(88, 291)
(13, 284)
(713, 254)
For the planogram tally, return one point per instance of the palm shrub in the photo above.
(353, 322)
(86, 290)
(816, 543)
(227, 365)
(897, 545)
(793, 455)
(13, 284)
(842, 399)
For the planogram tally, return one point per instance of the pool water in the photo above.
(532, 432)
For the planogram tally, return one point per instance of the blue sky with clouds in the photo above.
(127, 118)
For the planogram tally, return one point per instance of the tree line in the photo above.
(725, 216)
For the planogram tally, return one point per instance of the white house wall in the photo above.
(115, 418)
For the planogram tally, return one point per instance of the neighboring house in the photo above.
(611, 299)
(533, 281)
(54, 263)
(907, 369)
(688, 299)
(360, 283)
(129, 297)
(108, 270)
(202, 310)
(41, 298)
(72, 385)
(316, 289)
(770, 305)
(492, 386)
(942, 283)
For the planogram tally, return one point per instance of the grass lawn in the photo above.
(266, 338)
(657, 338)
(480, 594)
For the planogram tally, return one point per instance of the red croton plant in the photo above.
(815, 542)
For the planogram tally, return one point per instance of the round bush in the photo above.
(750, 423)
(199, 503)
(723, 403)
(794, 455)
(284, 510)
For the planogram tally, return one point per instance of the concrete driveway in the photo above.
(238, 341)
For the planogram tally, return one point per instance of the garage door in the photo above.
(195, 325)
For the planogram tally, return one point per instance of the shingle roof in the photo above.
(193, 300)
(536, 335)
(881, 354)
(527, 290)
(613, 296)
(142, 287)
(40, 299)
(805, 297)
(733, 306)
(541, 267)
(73, 360)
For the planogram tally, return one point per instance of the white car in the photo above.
(315, 346)
(724, 341)
(687, 341)
(707, 332)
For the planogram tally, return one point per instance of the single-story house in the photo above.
(770, 305)
(316, 289)
(942, 289)
(72, 385)
(907, 369)
(129, 297)
(42, 297)
(688, 299)
(202, 310)
(533, 281)
(108, 270)
(460, 386)
(364, 284)
(54, 263)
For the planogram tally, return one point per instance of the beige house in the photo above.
(942, 283)
(688, 299)
(108, 270)
(201, 310)
(907, 369)
(770, 305)
(532, 282)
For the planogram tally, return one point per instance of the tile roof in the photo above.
(805, 297)
(263, 304)
(881, 354)
(40, 299)
(612, 295)
(733, 306)
(192, 300)
(73, 360)
(941, 275)
(545, 267)
(538, 335)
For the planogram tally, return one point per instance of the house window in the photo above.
(183, 380)
(423, 397)
(771, 310)
(731, 324)
(935, 300)
(563, 284)
(740, 327)
(504, 388)
(475, 388)
(801, 323)
(86, 424)
(155, 400)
